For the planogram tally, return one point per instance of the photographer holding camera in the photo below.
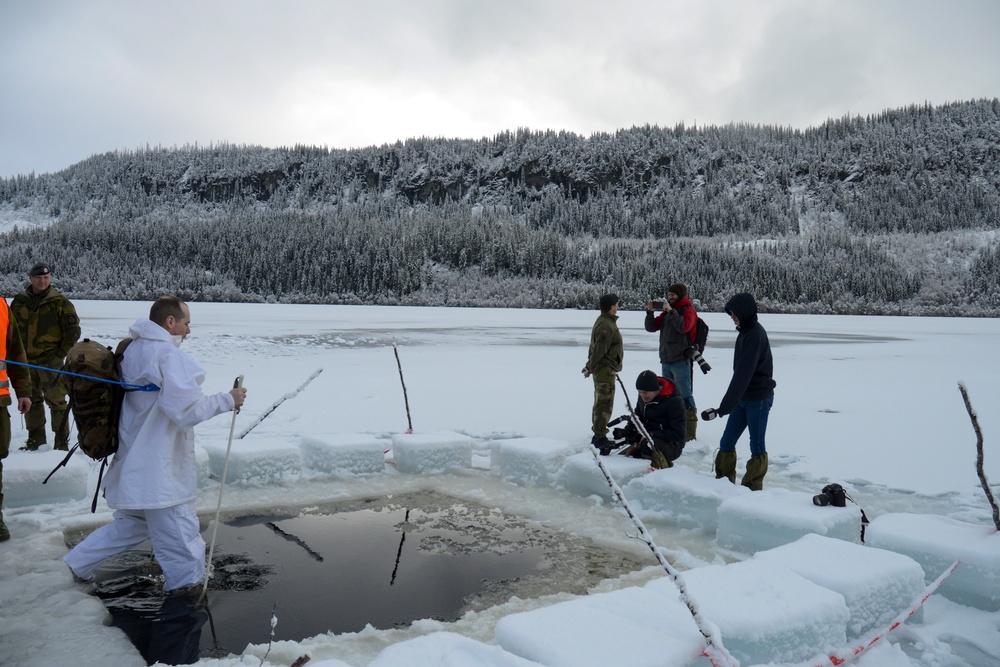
(661, 411)
(677, 324)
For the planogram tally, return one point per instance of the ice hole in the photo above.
(384, 562)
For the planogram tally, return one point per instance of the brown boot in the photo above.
(753, 479)
(725, 466)
(692, 424)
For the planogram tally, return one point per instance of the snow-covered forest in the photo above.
(889, 214)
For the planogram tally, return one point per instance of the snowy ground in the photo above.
(870, 402)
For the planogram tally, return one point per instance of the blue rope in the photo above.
(128, 386)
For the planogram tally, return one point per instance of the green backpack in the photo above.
(93, 380)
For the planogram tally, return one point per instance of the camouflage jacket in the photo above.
(48, 325)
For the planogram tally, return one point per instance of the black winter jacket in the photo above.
(753, 365)
(664, 417)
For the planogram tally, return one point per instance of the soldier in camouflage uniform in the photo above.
(604, 361)
(49, 327)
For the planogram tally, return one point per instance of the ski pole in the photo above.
(715, 651)
(222, 485)
(635, 419)
(406, 400)
(279, 402)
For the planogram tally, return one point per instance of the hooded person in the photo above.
(152, 482)
(750, 395)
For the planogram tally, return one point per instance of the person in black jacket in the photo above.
(660, 408)
(750, 395)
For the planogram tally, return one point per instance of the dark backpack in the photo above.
(96, 394)
(700, 334)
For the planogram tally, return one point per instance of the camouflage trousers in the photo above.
(604, 401)
(50, 388)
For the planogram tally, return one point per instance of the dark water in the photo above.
(383, 562)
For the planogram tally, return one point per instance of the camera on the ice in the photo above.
(695, 354)
(832, 494)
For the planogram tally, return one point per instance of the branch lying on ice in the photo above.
(979, 455)
(715, 651)
(279, 402)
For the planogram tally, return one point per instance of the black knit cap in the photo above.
(647, 381)
(680, 289)
(40, 269)
(608, 300)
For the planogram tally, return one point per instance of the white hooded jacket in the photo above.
(155, 463)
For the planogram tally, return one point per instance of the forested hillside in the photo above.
(895, 213)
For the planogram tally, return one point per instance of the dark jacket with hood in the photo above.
(664, 416)
(753, 365)
(677, 329)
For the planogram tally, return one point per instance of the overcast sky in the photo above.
(79, 77)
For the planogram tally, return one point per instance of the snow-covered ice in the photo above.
(936, 542)
(876, 583)
(769, 518)
(850, 404)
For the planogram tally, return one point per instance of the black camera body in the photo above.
(658, 304)
(694, 354)
(625, 435)
(832, 494)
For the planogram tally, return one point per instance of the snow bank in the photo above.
(681, 496)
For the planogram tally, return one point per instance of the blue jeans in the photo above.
(747, 414)
(679, 372)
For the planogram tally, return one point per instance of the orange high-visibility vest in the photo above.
(4, 322)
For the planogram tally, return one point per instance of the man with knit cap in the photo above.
(661, 411)
(750, 395)
(604, 361)
(677, 323)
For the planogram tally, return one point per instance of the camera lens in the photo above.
(822, 500)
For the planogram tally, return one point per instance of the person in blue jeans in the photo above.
(676, 322)
(750, 395)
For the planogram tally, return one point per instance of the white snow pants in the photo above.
(173, 531)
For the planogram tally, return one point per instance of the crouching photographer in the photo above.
(660, 408)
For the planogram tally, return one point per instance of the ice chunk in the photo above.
(876, 584)
(23, 474)
(936, 542)
(632, 626)
(581, 475)
(765, 612)
(431, 452)
(344, 454)
(446, 648)
(255, 463)
(529, 461)
(203, 463)
(766, 519)
(682, 496)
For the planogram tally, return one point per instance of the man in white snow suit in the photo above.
(152, 483)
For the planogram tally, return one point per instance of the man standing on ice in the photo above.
(152, 483)
(604, 361)
(749, 397)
